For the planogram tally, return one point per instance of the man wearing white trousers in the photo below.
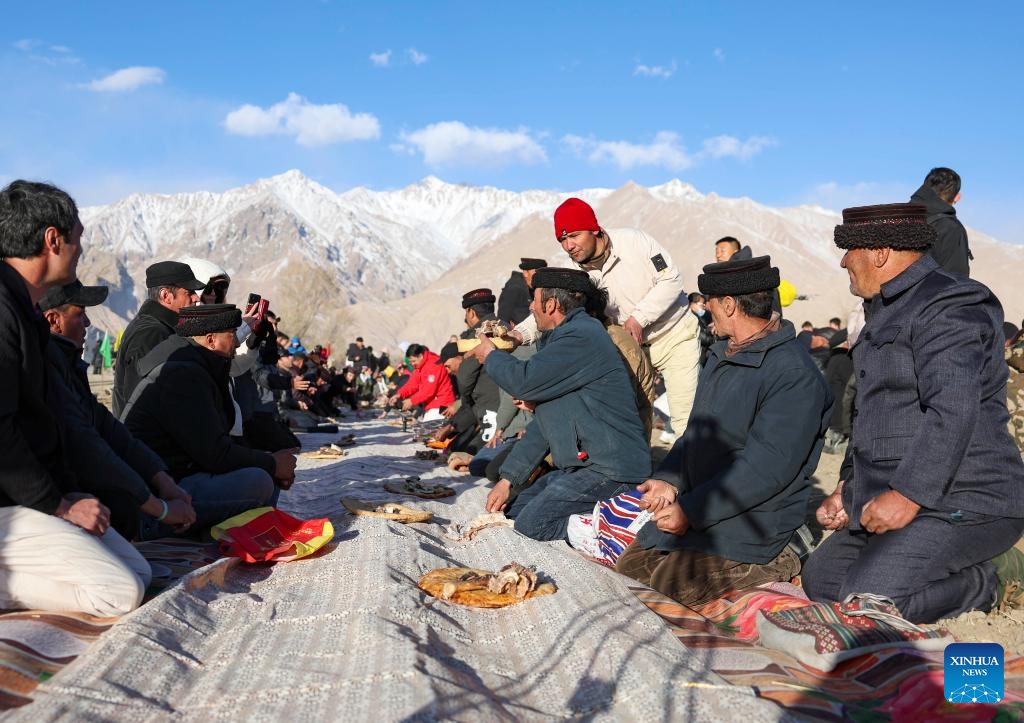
(57, 550)
(644, 288)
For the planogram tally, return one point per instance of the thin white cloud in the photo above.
(381, 60)
(126, 79)
(719, 55)
(666, 150)
(35, 51)
(835, 195)
(656, 71)
(732, 147)
(455, 143)
(416, 57)
(310, 124)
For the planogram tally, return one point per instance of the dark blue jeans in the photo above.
(542, 510)
(478, 465)
(933, 568)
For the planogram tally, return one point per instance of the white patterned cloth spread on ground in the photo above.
(346, 634)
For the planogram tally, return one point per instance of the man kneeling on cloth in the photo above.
(585, 415)
(933, 484)
(734, 488)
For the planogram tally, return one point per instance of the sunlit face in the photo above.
(177, 298)
(543, 311)
(717, 308)
(857, 263)
(417, 361)
(580, 245)
(65, 269)
(222, 343)
(724, 251)
(71, 323)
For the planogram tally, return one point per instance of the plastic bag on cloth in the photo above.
(266, 533)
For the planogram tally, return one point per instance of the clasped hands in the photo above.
(886, 512)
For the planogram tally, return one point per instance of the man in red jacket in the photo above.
(429, 387)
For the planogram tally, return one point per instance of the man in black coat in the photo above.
(478, 392)
(933, 484)
(515, 297)
(171, 286)
(47, 564)
(734, 488)
(120, 470)
(939, 192)
(182, 410)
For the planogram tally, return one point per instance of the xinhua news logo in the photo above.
(974, 672)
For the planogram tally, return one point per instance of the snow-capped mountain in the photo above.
(391, 265)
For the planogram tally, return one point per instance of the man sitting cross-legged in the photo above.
(182, 410)
(585, 413)
(58, 549)
(733, 490)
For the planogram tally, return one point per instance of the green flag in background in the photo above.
(105, 350)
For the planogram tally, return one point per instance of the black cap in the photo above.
(449, 351)
(551, 277)
(531, 264)
(735, 278)
(74, 293)
(208, 319)
(172, 273)
(477, 296)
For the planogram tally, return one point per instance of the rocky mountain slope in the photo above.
(392, 265)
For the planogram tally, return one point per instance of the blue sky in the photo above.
(786, 103)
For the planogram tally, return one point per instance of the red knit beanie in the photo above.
(574, 215)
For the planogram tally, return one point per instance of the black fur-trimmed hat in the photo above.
(901, 226)
(477, 296)
(208, 319)
(735, 278)
(531, 264)
(551, 277)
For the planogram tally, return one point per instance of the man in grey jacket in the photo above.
(933, 485)
(733, 490)
(585, 413)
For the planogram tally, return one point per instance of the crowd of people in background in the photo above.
(554, 391)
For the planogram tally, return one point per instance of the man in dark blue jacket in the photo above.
(182, 410)
(585, 413)
(934, 485)
(733, 490)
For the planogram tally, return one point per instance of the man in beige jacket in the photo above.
(644, 290)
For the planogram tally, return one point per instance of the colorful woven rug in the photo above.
(34, 645)
(887, 685)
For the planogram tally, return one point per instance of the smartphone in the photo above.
(257, 306)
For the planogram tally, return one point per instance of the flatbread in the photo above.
(472, 593)
(330, 451)
(388, 510)
(471, 344)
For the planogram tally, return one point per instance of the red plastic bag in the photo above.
(266, 533)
